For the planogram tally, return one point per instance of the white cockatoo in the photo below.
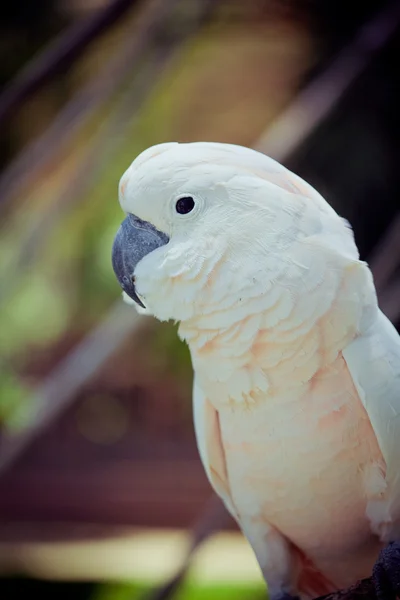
(296, 370)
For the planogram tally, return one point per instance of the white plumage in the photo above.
(297, 372)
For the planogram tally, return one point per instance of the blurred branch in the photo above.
(149, 23)
(55, 394)
(59, 56)
(319, 98)
(212, 519)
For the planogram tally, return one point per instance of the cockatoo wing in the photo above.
(209, 442)
(373, 360)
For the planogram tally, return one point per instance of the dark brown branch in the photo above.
(213, 518)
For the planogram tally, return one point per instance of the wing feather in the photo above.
(209, 443)
(373, 360)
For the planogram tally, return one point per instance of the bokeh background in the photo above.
(102, 495)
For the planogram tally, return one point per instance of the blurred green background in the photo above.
(101, 488)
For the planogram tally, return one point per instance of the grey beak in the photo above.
(134, 240)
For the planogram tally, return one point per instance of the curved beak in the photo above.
(134, 240)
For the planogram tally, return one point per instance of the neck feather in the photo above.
(274, 340)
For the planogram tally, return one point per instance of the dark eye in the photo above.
(184, 205)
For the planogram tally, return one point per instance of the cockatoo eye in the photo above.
(184, 205)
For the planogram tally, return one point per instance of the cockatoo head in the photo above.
(210, 225)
